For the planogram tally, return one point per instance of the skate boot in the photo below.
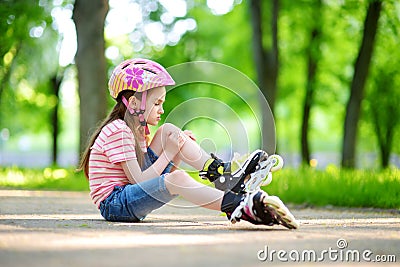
(221, 175)
(260, 208)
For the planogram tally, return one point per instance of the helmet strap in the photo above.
(139, 112)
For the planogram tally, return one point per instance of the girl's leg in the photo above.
(191, 152)
(259, 209)
(180, 183)
(132, 202)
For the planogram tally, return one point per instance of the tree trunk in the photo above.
(55, 84)
(384, 129)
(385, 148)
(89, 17)
(313, 55)
(357, 87)
(266, 60)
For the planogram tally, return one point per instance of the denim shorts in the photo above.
(133, 202)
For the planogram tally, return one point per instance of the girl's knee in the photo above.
(166, 128)
(160, 137)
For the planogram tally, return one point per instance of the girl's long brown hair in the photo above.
(118, 112)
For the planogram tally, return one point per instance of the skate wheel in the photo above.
(268, 180)
(278, 162)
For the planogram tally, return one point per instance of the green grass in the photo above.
(44, 179)
(337, 187)
(332, 186)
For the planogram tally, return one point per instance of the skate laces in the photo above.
(248, 212)
(246, 208)
(254, 210)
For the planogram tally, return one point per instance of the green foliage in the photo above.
(229, 44)
(28, 59)
(28, 49)
(382, 101)
(47, 179)
(341, 32)
(333, 186)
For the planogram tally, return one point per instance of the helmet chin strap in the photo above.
(139, 112)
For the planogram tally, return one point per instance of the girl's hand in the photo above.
(174, 143)
(190, 134)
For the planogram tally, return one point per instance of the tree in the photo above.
(24, 51)
(89, 17)
(28, 48)
(384, 103)
(361, 68)
(56, 81)
(313, 55)
(266, 59)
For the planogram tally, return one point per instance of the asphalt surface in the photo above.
(39, 228)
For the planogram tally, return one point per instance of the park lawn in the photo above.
(332, 186)
(43, 179)
(338, 187)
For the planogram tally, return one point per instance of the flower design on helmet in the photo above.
(147, 76)
(134, 77)
(138, 75)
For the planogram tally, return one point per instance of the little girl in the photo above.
(130, 177)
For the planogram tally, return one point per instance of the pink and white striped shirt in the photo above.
(115, 144)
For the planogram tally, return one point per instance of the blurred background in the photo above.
(329, 70)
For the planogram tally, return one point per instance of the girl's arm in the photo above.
(135, 173)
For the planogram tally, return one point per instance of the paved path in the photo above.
(65, 229)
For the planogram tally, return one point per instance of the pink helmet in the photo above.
(138, 75)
